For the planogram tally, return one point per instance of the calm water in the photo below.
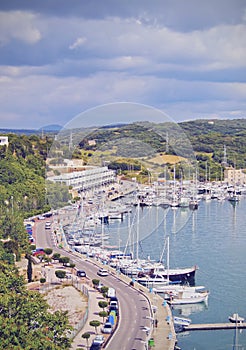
(214, 238)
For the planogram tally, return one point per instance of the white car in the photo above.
(107, 328)
(98, 340)
(102, 272)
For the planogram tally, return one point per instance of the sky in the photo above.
(59, 59)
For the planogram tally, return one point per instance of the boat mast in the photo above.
(138, 210)
(168, 258)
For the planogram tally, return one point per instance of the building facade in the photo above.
(92, 177)
(234, 176)
(4, 141)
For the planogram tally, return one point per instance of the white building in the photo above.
(234, 176)
(4, 141)
(87, 179)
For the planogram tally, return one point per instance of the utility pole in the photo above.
(167, 143)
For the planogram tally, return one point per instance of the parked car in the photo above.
(102, 272)
(113, 303)
(114, 299)
(38, 251)
(95, 347)
(115, 309)
(48, 225)
(111, 293)
(99, 339)
(107, 328)
(81, 273)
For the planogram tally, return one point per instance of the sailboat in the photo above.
(193, 205)
(178, 275)
(163, 279)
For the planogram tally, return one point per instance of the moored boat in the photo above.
(181, 321)
(186, 297)
(235, 318)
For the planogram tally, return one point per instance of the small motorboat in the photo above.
(181, 321)
(235, 318)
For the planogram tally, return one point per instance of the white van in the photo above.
(111, 293)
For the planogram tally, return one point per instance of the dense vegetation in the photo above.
(205, 139)
(25, 322)
(24, 318)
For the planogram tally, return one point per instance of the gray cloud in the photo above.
(58, 58)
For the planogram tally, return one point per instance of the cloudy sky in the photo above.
(59, 58)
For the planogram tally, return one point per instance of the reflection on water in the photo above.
(214, 238)
(188, 309)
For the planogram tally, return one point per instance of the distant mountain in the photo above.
(19, 131)
(45, 129)
(52, 127)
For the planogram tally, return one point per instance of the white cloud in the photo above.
(18, 25)
(78, 42)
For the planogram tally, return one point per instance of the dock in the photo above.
(214, 326)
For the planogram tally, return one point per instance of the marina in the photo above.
(191, 238)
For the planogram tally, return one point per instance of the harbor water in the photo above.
(212, 237)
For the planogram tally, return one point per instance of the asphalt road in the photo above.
(134, 307)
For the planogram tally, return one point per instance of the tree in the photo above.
(48, 251)
(86, 336)
(25, 322)
(64, 260)
(56, 256)
(61, 274)
(95, 323)
(104, 291)
(29, 270)
(103, 314)
(102, 304)
(95, 282)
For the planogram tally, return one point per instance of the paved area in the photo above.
(94, 298)
(163, 335)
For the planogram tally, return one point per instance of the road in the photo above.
(134, 306)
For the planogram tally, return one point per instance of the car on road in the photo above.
(98, 340)
(102, 272)
(107, 328)
(81, 273)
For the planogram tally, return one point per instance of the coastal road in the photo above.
(134, 306)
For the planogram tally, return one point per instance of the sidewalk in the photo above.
(163, 335)
(93, 309)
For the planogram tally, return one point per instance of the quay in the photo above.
(214, 326)
(163, 335)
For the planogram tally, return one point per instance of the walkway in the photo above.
(94, 298)
(214, 326)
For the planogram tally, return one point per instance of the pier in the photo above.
(214, 326)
